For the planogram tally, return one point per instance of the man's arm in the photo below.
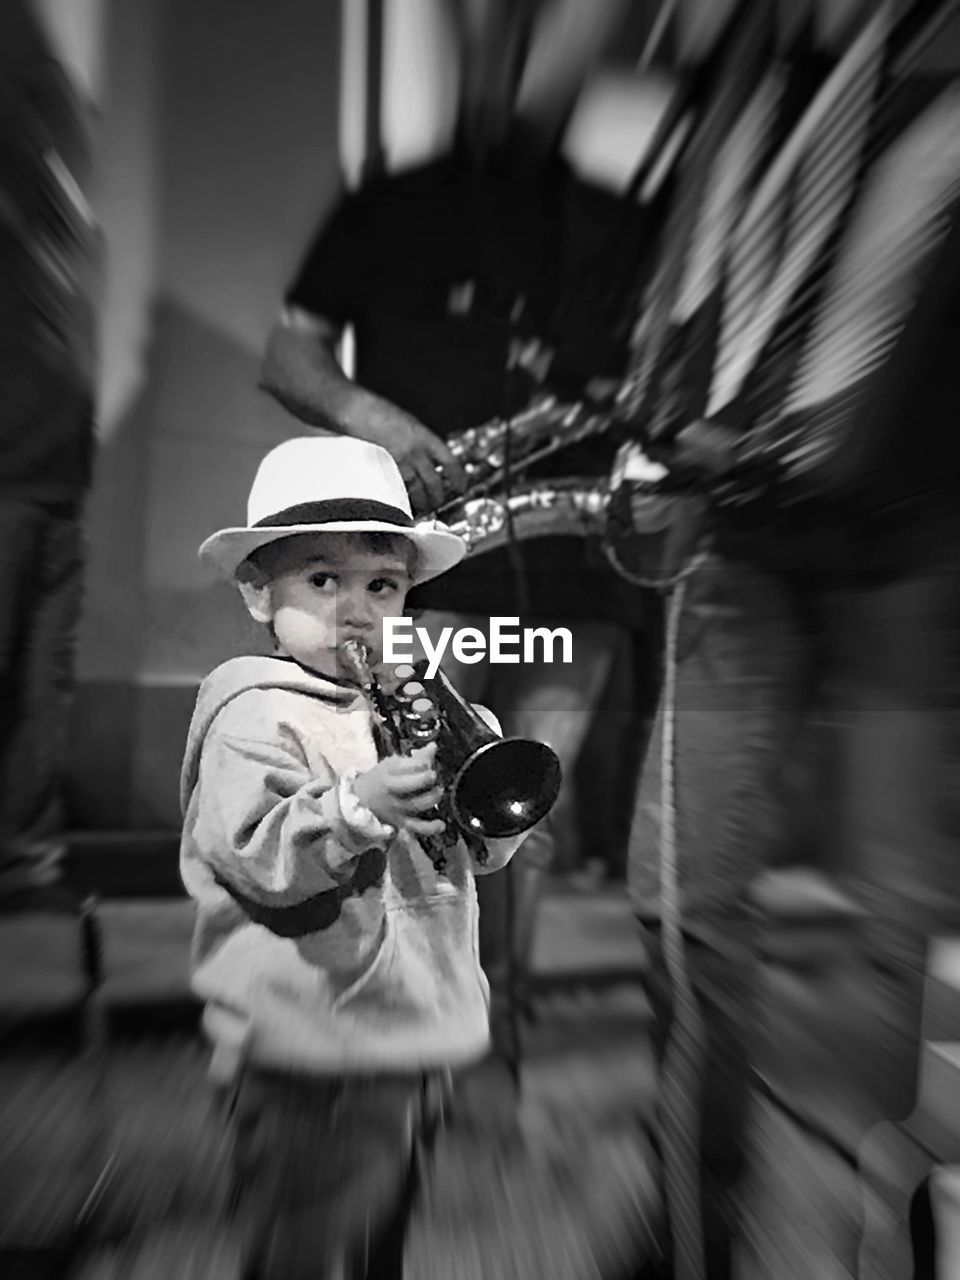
(300, 370)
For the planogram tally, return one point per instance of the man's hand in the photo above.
(301, 370)
(400, 788)
(707, 447)
(430, 471)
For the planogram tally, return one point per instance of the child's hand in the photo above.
(400, 788)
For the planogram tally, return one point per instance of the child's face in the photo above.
(323, 589)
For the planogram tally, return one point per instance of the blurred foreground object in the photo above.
(55, 1157)
(796, 358)
(48, 997)
(48, 260)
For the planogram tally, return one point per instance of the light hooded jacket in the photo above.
(324, 941)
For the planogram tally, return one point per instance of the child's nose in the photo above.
(355, 610)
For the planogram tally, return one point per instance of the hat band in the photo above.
(334, 510)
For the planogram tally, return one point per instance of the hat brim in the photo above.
(438, 549)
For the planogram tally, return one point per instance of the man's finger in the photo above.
(419, 501)
(409, 473)
(453, 474)
(431, 480)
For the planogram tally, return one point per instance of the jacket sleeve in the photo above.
(499, 852)
(272, 831)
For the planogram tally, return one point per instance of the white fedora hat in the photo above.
(332, 484)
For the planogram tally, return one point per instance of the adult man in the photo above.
(47, 327)
(48, 255)
(822, 607)
(432, 267)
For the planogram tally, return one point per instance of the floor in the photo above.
(568, 1204)
(564, 1205)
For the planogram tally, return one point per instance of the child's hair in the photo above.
(261, 565)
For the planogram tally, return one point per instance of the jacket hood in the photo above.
(235, 677)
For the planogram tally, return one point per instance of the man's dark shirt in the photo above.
(428, 266)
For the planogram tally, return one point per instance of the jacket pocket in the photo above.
(425, 974)
(376, 973)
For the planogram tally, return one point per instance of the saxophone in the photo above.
(549, 508)
(487, 451)
(491, 453)
(493, 787)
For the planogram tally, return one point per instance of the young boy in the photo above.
(339, 969)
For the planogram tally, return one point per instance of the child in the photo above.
(339, 969)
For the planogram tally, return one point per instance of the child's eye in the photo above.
(323, 581)
(379, 585)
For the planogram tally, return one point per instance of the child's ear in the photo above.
(256, 596)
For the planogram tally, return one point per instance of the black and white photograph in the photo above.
(480, 639)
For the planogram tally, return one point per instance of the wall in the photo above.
(218, 152)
